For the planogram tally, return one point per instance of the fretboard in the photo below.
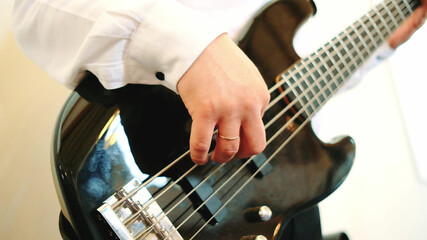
(313, 80)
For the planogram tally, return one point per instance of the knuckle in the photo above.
(228, 154)
(256, 149)
(198, 160)
(229, 106)
(199, 147)
(224, 155)
(205, 110)
(229, 151)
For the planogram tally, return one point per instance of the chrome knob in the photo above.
(258, 214)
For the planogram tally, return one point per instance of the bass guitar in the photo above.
(137, 181)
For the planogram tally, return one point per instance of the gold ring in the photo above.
(228, 138)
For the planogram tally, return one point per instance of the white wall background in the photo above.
(383, 197)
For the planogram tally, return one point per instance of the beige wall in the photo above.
(29, 104)
(381, 199)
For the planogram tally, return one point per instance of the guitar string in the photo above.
(300, 112)
(258, 170)
(231, 177)
(209, 176)
(278, 98)
(344, 46)
(254, 174)
(206, 178)
(186, 153)
(216, 169)
(231, 198)
(118, 203)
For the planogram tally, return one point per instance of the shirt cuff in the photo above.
(168, 41)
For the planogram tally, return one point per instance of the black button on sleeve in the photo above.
(160, 76)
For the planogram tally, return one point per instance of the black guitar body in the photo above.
(92, 161)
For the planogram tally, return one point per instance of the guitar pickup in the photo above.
(200, 196)
(137, 215)
(256, 164)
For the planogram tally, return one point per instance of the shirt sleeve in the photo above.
(119, 41)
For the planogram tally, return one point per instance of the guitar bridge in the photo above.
(136, 217)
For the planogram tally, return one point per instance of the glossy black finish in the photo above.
(92, 160)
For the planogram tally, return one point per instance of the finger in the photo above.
(409, 26)
(200, 139)
(252, 138)
(227, 140)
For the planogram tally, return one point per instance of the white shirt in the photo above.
(125, 41)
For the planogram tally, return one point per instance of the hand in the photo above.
(409, 26)
(224, 89)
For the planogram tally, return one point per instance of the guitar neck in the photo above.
(317, 77)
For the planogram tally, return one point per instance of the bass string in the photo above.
(117, 204)
(253, 175)
(243, 166)
(221, 195)
(134, 215)
(149, 229)
(300, 127)
(283, 93)
(408, 10)
(272, 138)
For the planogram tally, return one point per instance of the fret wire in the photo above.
(280, 83)
(310, 73)
(376, 27)
(403, 8)
(321, 77)
(303, 95)
(369, 27)
(356, 46)
(408, 6)
(344, 79)
(287, 91)
(350, 56)
(397, 8)
(362, 40)
(368, 33)
(408, 9)
(338, 51)
(378, 20)
(367, 47)
(298, 70)
(390, 21)
(327, 72)
(297, 80)
(389, 13)
(383, 21)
